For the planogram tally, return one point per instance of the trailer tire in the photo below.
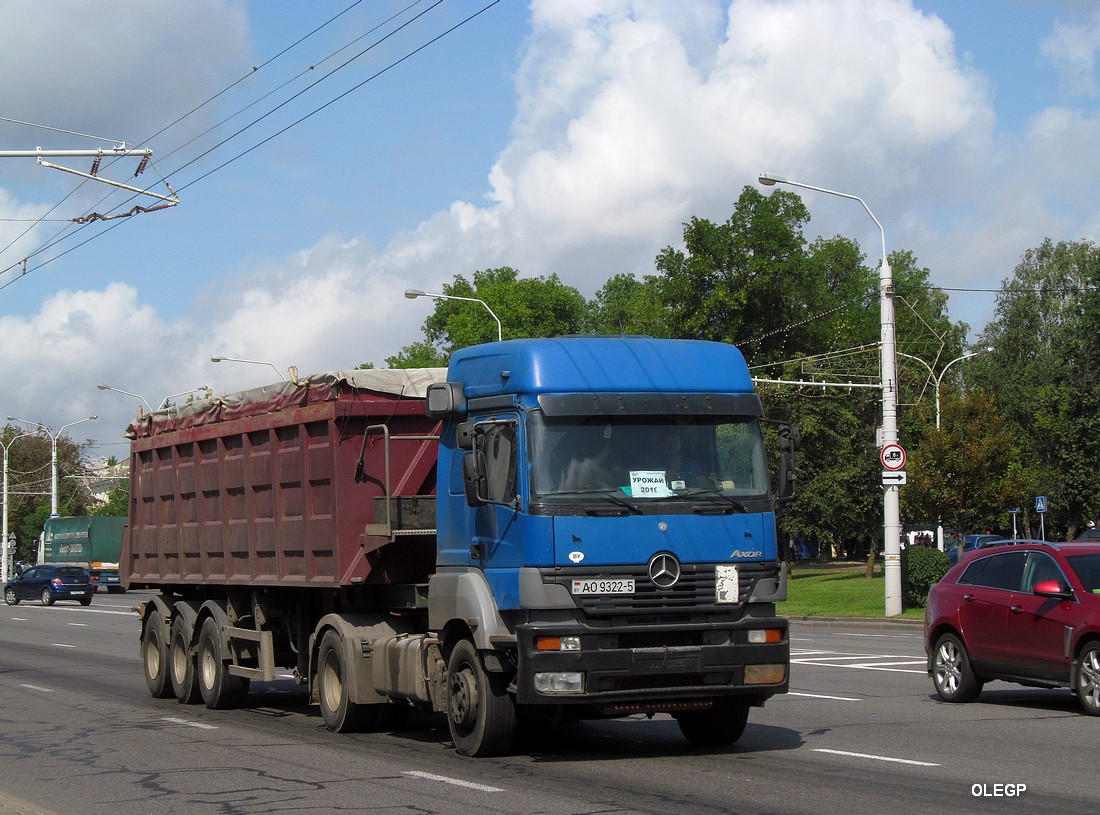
(154, 655)
(219, 688)
(719, 726)
(182, 663)
(481, 714)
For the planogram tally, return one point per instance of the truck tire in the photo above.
(182, 663)
(719, 726)
(481, 714)
(341, 715)
(154, 655)
(219, 688)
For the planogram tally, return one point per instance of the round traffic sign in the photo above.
(893, 456)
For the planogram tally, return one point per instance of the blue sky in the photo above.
(557, 136)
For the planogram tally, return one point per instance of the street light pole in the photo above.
(148, 407)
(412, 294)
(249, 362)
(4, 542)
(937, 380)
(888, 433)
(53, 454)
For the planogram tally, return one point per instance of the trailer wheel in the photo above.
(720, 726)
(182, 663)
(219, 688)
(481, 714)
(154, 655)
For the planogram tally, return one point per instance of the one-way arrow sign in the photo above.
(893, 477)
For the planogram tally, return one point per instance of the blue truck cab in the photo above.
(606, 536)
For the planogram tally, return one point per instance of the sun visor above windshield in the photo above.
(650, 404)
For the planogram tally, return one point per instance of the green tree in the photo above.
(30, 483)
(526, 307)
(967, 471)
(740, 282)
(118, 501)
(1045, 373)
(626, 305)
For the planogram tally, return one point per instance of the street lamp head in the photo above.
(217, 359)
(770, 180)
(412, 294)
(104, 387)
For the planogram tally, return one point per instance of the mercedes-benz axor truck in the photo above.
(548, 530)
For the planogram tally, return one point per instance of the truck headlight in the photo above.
(763, 635)
(560, 682)
(558, 644)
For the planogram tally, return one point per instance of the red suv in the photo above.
(1027, 613)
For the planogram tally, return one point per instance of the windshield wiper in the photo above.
(715, 492)
(611, 495)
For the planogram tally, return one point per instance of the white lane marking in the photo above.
(823, 696)
(456, 781)
(77, 609)
(186, 723)
(62, 645)
(78, 625)
(37, 688)
(866, 662)
(876, 758)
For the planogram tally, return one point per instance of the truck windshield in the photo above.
(644, 458)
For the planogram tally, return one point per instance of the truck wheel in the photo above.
(11, 598)
(720, 726)
(154, 656)
(341, 715)
(47, 597)
(219, 688)
(182, 663)
(480, 712)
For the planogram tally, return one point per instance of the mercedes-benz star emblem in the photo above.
(664, 570)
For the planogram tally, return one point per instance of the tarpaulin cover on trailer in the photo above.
(313, 389)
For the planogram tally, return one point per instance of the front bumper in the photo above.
(651, 667)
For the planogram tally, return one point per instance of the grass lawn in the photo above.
(838, 591)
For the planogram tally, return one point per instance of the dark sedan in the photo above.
(1026, 612)
(969, 544)
(49, 583)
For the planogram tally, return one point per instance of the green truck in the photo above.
(91, 541)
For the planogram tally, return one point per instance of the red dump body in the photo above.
(265, 487)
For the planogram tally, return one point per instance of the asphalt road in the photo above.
(861, 732)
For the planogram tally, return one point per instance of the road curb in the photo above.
(870, 622)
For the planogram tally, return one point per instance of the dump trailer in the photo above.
(91, 541)
(549, 529)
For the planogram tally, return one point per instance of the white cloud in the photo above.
(631, 118)
(1071, 48)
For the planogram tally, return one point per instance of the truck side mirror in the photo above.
(474, 478)
(445, 398)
